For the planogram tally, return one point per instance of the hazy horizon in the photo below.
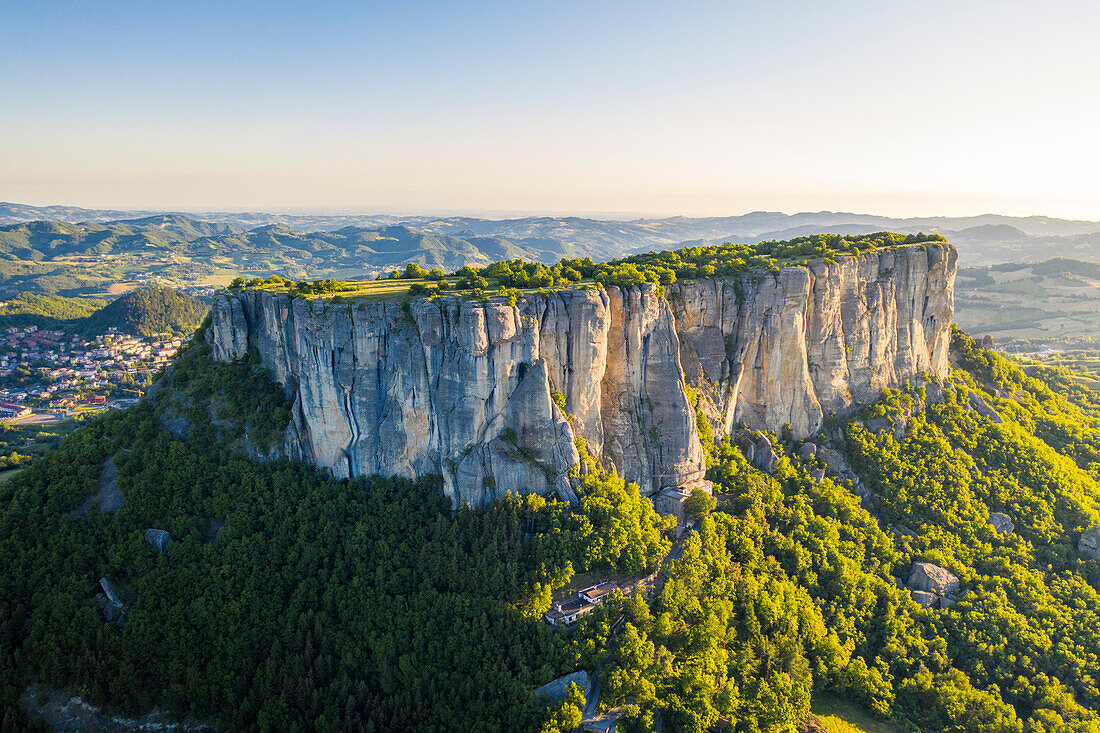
(491, 214)
(621, 109)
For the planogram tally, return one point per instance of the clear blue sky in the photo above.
(693, 108)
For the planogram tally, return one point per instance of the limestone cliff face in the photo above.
(467, 391)
(789, 349)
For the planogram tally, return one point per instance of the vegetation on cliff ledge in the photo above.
(506, 278)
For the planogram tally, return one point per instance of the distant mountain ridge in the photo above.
(672, 228)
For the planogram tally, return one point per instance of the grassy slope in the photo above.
(842, 716)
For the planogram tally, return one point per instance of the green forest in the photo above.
(289, 600)
(664, 268)
(150, 311)
(48, 311)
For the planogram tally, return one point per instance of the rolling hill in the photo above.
(46, 311)
(149, 312)
(85, 252)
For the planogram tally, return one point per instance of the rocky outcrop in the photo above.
(1089, 544)
(793, 347)
(110, 603)
(109, 497)
(1001, 523)
(932, 586)
(924, 576)
(762, 455)
(493, 396)
(982, 408)
(158, 539)
(556, 689)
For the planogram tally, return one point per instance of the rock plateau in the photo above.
(493, 396)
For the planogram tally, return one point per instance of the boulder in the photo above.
(807, 451)
(818, 475)
(900, 530)
(765, 458)
(925, 599)
(878, 424)
(556, 689)
(111, 605)
(1089, 544)
(947, 602)
(982, 408)
(110, 591)
(835, 462)
(1002, 523)
(932, 579)
(158, 538)
(933, 393)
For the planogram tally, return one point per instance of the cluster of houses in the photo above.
(66, 365)
(9, 410)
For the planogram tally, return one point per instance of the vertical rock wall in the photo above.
(467, 391)
(789, 349)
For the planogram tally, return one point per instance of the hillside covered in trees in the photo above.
(287, 599)
(47, 311)
(146, 312)
(149, 312)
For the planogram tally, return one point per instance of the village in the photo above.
(48, 375)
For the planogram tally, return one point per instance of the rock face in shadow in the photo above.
(1089, 544)
(158, 539)
(493, 396)
(109, 496)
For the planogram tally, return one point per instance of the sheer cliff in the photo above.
(493, 396)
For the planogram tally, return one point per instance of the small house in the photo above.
(567, 613)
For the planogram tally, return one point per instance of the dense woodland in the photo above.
(148, 311)
(664, 268)
(367, 604)
(48, 311)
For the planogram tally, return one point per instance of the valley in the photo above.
(1047, 312)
